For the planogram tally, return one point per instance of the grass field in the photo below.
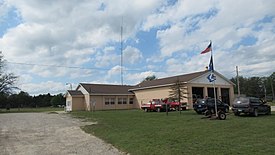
(21, 110)
(140, 133)
(271, 103)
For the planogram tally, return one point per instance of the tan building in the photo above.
(102, 96)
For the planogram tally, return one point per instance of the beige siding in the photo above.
(86, 100)
(69, 100)
(77, 103)
(144, 96)
(98, 102)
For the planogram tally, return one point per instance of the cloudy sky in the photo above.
(49, 43)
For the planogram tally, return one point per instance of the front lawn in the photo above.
(137, 132)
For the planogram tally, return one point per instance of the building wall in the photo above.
(86, 98)
(97, 102)
(78, 103)
(69, 100)
(144, 96)
(74, 102)
(205, 93)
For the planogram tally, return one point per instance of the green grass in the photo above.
(137, 132)
(25, 110)
(271, 103)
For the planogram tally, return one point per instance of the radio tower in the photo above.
(121, 51)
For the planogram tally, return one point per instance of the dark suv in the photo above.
(201, 105)
(250, 105)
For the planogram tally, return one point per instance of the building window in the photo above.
(112, 101)
(119, 101)
(131, 101)
(124, 100)
(107, 101)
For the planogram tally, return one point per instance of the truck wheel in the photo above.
(207, 113)
(227, 110)
(145, 109)
(177, 108)
(158, 109)
(236, 113)
(222, 115)
(255, 112)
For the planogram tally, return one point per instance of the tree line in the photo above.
(9, 99)
(23, 100)
(261, 87)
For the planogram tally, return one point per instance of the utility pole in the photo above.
(238, 82)
(272, 89)
(121, 51)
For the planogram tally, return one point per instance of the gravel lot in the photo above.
(48, 134)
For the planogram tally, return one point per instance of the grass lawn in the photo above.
(140, 133)
(21, 110)
(271, 103)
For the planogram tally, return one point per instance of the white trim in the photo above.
(112, 94)
(80, 85)
(190, 81)
(157, 86)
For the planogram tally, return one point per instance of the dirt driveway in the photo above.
(48, 134)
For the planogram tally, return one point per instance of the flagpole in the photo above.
(215, 97)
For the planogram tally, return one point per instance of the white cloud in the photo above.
(138, 77)
(132, 55)
(43, 87)
(106, 58)
(186, 27)
(85, 34)
(58, 30)
(113, 72)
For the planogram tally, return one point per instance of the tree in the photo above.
(24, 99)
(3, 100)
(150, 78)
(261, 87)
(178, 91)
(58, 100)
(7, 80)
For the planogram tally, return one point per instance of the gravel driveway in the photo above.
(48, 134)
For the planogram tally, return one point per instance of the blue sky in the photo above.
(51, 43)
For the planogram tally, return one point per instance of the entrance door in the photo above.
(225, 95)
(68, 106)
(211, 92)
(197, 93)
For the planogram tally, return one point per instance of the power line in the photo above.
(70, 67)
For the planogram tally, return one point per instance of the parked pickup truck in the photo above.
(155, 105)
(175, 105)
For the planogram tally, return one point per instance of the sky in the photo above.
(51, 44)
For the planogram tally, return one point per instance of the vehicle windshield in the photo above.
(241, 100)
(201, 101)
